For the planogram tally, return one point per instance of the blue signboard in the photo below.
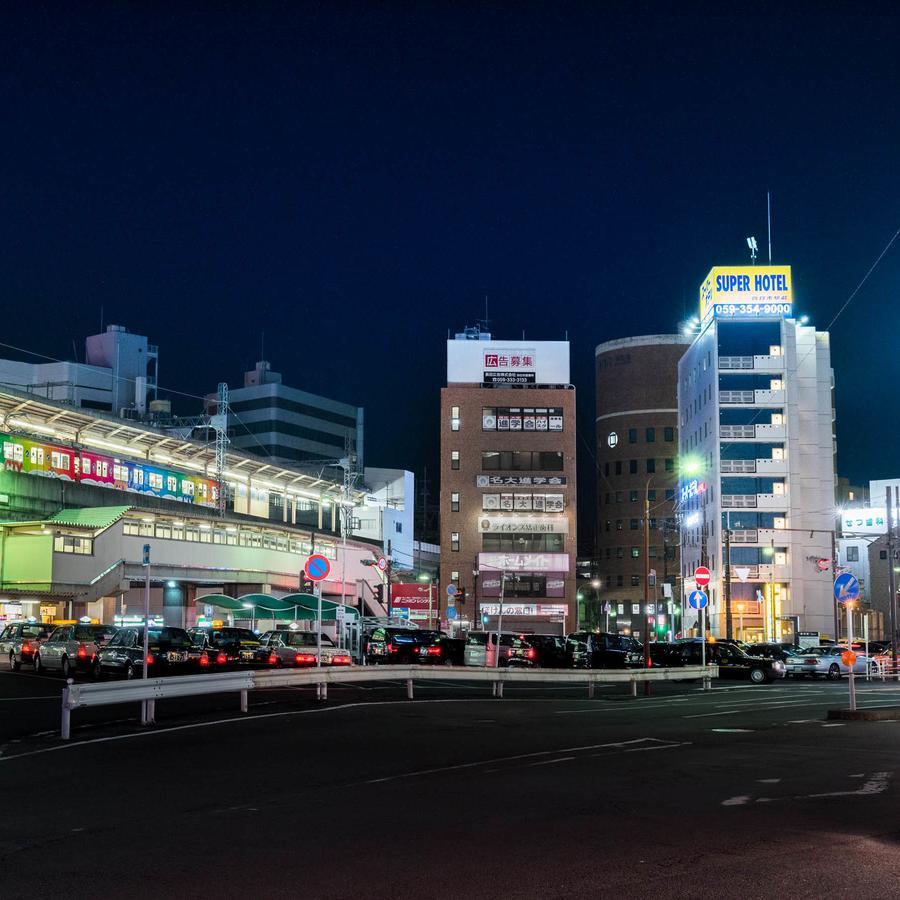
(846, 587)
(698, 599)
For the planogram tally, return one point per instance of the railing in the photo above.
(744, 536)
(149, 690)
(736, 396)
(737, 431)
(735, 466)
(735, 362)
(739, 501)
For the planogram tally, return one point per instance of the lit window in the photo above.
(454, 502)
(454, 541)
(454, 418)
(454, 459)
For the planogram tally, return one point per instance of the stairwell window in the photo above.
(454, 502)
(454, 459)
(454, 541)
(454, 418)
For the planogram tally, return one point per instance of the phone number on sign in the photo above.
(752, 309)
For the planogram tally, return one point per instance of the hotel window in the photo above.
(634, 524)
(669, 435)
(632, 435)
(454, 502)
(618, 524)
(670, 465)
(454, 418)
(454, 541)
(620, 552)
(632, 467)
(635, 580)
(651, 435)
(618, 467)
(620, 496)
(651, 465)
(670, 493)
(619, 581)
(454, 459)
(651, 494)
(635, 552)
(632, 496)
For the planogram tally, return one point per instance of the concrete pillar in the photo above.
(173, 603)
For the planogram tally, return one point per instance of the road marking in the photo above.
(551, 762)
(833, 724)
(733, 730)
(736, 801)
(726, 712)
(877, 784)
(768, 780)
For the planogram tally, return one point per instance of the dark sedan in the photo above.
(170, 651)
(549, 650)
(733, 663)
(593, 650)
(398, 645)
(227, 646)
(442, 650)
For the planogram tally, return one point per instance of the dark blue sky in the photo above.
(352, 179)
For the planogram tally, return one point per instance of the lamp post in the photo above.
(740, 610)
(595, 584)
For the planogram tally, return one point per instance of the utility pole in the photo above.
(728, 617)
(647, 583)
(892, 581)
(220, 424)
(387, 586)
(834, 574)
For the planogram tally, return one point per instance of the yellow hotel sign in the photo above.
(747, 291)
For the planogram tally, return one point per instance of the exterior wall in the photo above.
(132, 362)
(636, 382)
(803, 485)
(65, 382)
(471, 440)
(858, 548)
(389, 516)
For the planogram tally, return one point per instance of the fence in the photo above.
(148, 691)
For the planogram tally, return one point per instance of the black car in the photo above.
(170, 651)
(600, 650)
(772, 651)
(398, 645)
(733, 663)
(226, 646)
(442, 650)
(549, 650)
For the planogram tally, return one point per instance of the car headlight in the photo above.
(778, 664)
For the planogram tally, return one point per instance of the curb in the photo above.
(865, 715)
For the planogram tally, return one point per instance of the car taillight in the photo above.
(303, 659)
(273, 659)
(221, 659)
(340, 660)
(81, 652)
(810, 659)
(26, 647)
(532, 653)
(150, 659)
(433, 651)
(204, 660)
(391, 648)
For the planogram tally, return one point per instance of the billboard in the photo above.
(413, 596)
(747, 292)
(867, 520)
(523, 562)
(507, 362)
(524, 525)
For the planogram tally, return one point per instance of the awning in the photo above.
(265, 606)
(96, 517)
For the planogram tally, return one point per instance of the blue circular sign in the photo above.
(451, 613)
(698, 599)
(318, 567)
(846, 587)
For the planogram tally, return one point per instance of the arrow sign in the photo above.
(846, 587)
(698, 599)
(702, 576)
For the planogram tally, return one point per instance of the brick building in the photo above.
(508, 483)
(637, 451)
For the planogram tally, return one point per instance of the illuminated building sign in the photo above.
(692, 488)
(747, 292)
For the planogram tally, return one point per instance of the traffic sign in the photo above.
(848, 657)
(401, 612)
(846, 587)
(381, 562)
(317, 567)
(146, 554)
(698, 599)
(451, 590)
(702, 576)
(451, 613)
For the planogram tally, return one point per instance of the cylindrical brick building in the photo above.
(637, 454)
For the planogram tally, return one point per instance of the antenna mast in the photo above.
(769, 217)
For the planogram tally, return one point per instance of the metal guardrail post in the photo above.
(243, 701)
(151, 712)
(633, 686)
(66, 725)
(590, 688)
(409, 689)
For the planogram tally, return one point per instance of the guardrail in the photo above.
(148, 691)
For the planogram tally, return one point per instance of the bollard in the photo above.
(243, 701)
(409, 689)
(634, 687)
(590, 690)
(500, 689)
(65, 728)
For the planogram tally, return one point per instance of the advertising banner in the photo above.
(524, 609)
(747, 291)
(413, 596)
(553, 584)
(507, 362)
(524, 525)
(523, 562)
(520, 480)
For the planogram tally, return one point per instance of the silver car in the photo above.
(20, 641)
(828, 662)
(72, 648)
(298, 648)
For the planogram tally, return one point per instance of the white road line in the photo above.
(768, 780)
(733, 730)
(877, 784)
(727, 712)
(41, 697)
(736, 801)
(551, 762)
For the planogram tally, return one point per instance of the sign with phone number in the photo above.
(751, 309)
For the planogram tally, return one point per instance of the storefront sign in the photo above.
(524, 609)
(520, 480)
(507, 362)
(525, 525)
(523, 562)
(553, 584)
(865, 521)
(413, 596)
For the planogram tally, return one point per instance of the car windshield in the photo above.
(168, 639)
(306, 639)
(822, 651)
(477, 639)
(34, 630)
(243, 635)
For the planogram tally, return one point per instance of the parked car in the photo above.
(549, 650)
(733, 662)
(169, 651)
(828, 662)
(226, 646)
(443, 651)
(19, 642)
(481, 646)
(298, 648)
(601, 650)
(71, 648)
(771, 650)
(397, 645)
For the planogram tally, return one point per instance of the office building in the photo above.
(756, 433)
(637, 451)
(285, 424)
(508, 483)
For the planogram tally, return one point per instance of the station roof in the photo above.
(48, 420)
(264, 606)
(97, 517)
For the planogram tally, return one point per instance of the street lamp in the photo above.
(740, 609)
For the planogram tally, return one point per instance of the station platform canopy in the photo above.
(292, 607)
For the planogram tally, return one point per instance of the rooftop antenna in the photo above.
(769, 217)
(751, 243)
(262, 346)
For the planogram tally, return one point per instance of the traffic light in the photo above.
(378, 591)
(306, 585)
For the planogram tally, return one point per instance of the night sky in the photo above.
(353, 179)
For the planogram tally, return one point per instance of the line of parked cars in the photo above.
(104, 650)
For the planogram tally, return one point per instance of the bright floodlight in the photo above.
(691, 465)
(751, 243)
(804, 320)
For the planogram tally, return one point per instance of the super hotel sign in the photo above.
(747, 292)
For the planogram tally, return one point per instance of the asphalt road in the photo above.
(736, 792)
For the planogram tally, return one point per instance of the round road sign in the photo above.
(317, 567)
(848, 657)
(698, 599)
(450, 613)
(846, 587)
(702, 576)
(451, 590)
(381, 563)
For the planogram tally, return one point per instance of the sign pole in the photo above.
(848, 604)
(145, 709)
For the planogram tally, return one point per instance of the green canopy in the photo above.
(264, 606)
(97, 517)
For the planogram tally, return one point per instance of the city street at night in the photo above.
(456, 794)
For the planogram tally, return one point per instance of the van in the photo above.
(481, 647)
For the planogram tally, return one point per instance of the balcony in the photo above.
(752, 398)
(752, 432)
(771, 432)
(772, 501)
(755, 501)
(768, 398)
(761, 536)
(751, 363)
(771, 466)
